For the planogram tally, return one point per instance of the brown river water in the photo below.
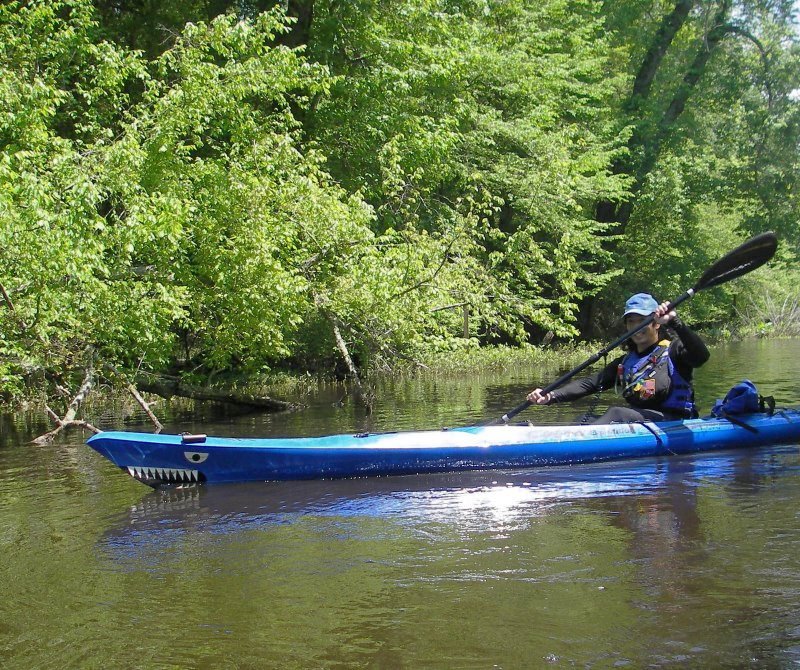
(687, 561)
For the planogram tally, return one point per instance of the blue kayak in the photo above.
(180, 459)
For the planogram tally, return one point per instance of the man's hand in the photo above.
(538, 398)
(663, 314)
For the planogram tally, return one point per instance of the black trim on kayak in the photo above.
(659, 441)
(739, 422)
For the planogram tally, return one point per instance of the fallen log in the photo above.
(69, 419)
(145, 406)
(167, 387)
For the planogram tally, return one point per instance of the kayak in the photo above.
(158, 460)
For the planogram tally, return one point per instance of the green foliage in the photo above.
(771, 305)
(57, 255)
(196, 219)
(487, 126)
(220, 201)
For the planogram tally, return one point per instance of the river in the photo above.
(671, 562)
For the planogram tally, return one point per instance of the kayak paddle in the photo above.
(743, 259)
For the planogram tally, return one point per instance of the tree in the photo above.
(185, 211)
(714, 135)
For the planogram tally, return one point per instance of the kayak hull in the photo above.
(177, 459)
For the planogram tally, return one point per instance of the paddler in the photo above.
(655, 376)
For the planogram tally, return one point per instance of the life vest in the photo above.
(651, 381)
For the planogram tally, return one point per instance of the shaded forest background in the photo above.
(205, 186)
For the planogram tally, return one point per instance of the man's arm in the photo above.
(689, 349)
(579, 388)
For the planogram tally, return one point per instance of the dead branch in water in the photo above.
(145, 406)
(131, 388)
(69, 420)
(366, 398)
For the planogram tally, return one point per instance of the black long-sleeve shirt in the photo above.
(687, 351)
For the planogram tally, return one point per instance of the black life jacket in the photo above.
(651, 381)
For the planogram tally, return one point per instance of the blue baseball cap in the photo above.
(643, 304)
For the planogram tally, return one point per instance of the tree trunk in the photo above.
(649, 147)
(300, 33)
(670, 25)
(69, 419)
(719, 29)
(366, 398)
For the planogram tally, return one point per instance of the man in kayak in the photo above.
(655, 376)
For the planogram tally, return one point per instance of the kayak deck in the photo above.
(169, 459)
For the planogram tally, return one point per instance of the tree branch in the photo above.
(341, 345)
(11, 308)
(145, 406)
(131, 388)
(720, 28)
(738, 30)
(6, 299)
(432, 276)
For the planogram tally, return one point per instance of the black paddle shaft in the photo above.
(745, 258)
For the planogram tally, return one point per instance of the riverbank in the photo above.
(294, 385)
(108, 406)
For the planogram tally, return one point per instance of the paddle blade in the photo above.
(743, 259)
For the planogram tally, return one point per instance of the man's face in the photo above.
(645, 335)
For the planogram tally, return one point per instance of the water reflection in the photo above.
(664, 492)
(644, 560)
